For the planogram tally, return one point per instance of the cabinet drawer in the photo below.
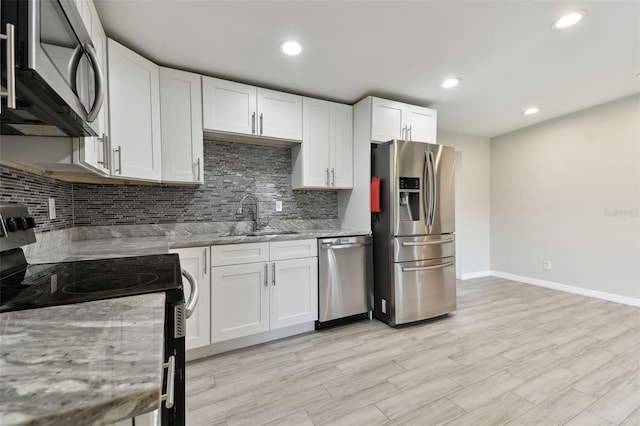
(281, 250)
(235, 254)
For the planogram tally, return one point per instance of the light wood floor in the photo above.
(511, 354)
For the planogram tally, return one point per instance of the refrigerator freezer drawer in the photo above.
(424, 289)
(407, 249)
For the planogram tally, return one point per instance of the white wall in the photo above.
(472, 202)
(568, 191)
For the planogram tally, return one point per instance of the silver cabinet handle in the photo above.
(327, 173)
(404, 133)
(10, 93)
(198, 169)
(99, 84)
(261, 124)
(273, 273)
(426, 243)
(171, 381)
(253, 123)
(204, 270)
(266, 275)
(195, 292)
(119, 151)
(410, 133)
(333, 177)
(343, 246)
(105, 151)
(427, 268)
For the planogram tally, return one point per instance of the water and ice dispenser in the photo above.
(409, 198)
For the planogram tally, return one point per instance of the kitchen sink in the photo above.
(263, 233)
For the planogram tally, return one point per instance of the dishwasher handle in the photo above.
(329, 246)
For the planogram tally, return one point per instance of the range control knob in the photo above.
(31, 222)
(22, 223)
(12, 226)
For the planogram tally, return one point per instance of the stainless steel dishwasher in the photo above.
(345, 269)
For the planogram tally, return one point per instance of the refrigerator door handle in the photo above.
(426, 193)
(426, 243)
(427, 268)
(432, 188)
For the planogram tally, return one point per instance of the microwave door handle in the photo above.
(193, 297)
(74, 62)
(99, 84)
(10, 93)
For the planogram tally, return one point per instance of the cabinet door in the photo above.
(421, 123)
(228, 106)
(280, 115)
(134, 114)
(315, 144)
(341, 146)
(181, 114)
(294, 292)
(195, 260)
(387, 120)
(239, 301)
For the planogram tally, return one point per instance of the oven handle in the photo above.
(171, 381)
(193, 297)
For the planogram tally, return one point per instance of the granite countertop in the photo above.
(148, 245)
(82, 364)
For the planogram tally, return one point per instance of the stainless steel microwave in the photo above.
(50, 71)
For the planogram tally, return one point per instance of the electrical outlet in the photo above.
(278, 206)
(52, 208)
(546, 265)
(384, 306)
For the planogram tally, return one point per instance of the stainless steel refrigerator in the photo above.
(413, 234)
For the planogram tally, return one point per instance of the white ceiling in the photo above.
(506, 53)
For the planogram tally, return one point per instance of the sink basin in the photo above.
(263, 233)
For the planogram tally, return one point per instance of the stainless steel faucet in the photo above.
(256, 219)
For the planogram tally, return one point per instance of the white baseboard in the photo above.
(472, 275)
(569, 288)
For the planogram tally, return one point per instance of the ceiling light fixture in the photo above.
(291, 47)
(531, 111)
(451, 82)
(568, 20)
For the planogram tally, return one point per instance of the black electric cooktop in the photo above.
(52, 284)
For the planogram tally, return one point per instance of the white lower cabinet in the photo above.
(251, 297)
(195, 260)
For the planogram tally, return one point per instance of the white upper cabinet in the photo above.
(325, 157)
(396, 120)
(279, 115)
(230, 107)
(181, 118)
(134, 114)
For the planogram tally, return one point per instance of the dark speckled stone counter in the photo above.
(82, 364)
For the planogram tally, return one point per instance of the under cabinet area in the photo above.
(249, 297)
(250, 293)
(230, 107)
(324, 160)
(196, 261)
(396, 120)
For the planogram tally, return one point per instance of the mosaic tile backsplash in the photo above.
(231, 170)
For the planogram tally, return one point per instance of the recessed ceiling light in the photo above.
(451, 82)
(291, 47)
(568, 20)
(531, 111)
